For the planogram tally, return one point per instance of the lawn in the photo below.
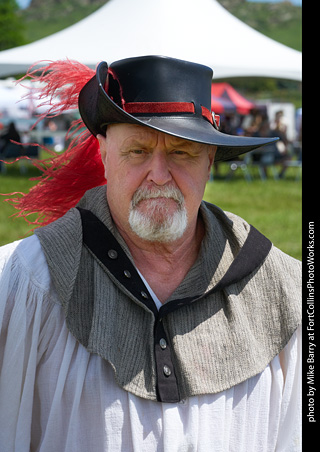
(273, 207)
(13, 228)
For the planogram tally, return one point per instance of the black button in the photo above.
(112, 254)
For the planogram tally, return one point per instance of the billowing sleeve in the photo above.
(23, 308)
(289, 437)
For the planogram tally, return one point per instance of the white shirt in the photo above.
(55, 396)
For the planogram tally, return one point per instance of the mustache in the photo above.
(143, 193)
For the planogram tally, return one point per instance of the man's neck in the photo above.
(165, 265)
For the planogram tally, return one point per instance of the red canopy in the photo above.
(225, 99)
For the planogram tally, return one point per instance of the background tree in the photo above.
(11, 25)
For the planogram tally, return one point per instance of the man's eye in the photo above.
(137, 151)
(179, 152)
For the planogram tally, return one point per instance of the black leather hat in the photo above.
(166, 94)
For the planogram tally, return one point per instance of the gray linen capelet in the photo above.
(234, 312)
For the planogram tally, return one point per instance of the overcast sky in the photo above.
(23, 3)
(294, 2)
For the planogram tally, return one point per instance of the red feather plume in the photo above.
(67, 176)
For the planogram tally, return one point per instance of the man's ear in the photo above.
(211, 154)
(103, 147)
(103, 151)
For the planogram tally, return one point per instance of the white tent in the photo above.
(201, 31)
(15, 100)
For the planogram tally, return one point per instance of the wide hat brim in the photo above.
(98, 111)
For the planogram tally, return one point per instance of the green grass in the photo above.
(12, 229)
(273, 207)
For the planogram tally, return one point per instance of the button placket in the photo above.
(126, 275)
(167, 387)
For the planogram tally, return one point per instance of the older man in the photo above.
(145, 319)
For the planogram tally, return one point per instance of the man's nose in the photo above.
(159, 171)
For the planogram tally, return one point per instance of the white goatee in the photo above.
(158, 224)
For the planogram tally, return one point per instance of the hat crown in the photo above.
(160, 79)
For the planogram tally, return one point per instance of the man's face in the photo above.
(155, 181)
